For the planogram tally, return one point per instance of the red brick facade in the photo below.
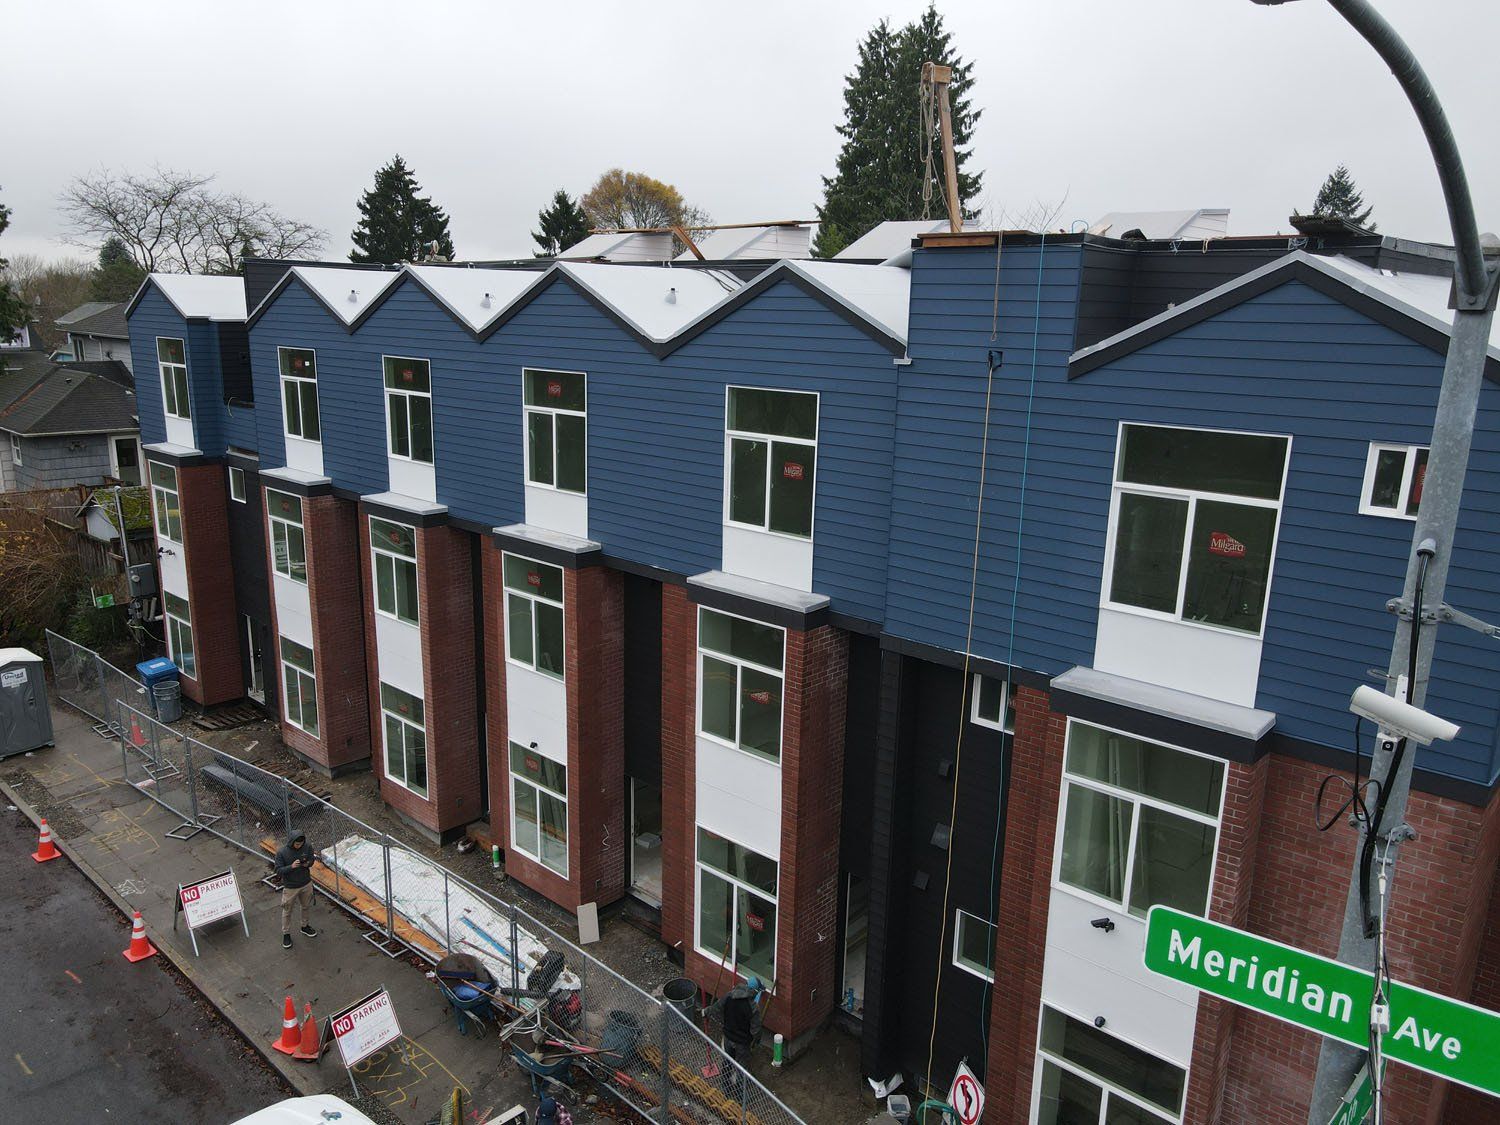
(204, 493)
(331, 533)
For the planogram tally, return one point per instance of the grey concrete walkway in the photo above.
(116, 835)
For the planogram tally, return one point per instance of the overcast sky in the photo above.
(1096, 105)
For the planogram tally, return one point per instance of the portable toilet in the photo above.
(25, 717)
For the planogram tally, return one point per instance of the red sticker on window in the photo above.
(761, 697)
(297, 363)
(533, 764)
(791, 470)
(1417, 480)
(755, 922)
(533, 579)
(394, 536)
(554, 389)
(1222, 543)
(406, 374)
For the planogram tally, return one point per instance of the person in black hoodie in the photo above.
(294, 864)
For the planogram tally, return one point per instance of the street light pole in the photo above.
(1473, 300)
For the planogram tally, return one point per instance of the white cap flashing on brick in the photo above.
(1211, 714)
(415, 505)
(767, 593)
(545, 537)
(295, 476)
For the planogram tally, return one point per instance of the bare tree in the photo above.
(49, 289)
(173, 222)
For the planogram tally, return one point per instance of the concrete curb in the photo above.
(304, 1079)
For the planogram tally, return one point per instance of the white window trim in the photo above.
(114, 453)
(173, 636)
(527, 410)
(515, 780)
(15, 450)
(716, 956)
(161, 372)
(1118, 488)
(1069, 780)
(377, 549)
(751, 435)
(386, 401)
(158, 506)
(958, 917)
(1398, 512)
(281, 387)
(974, 716)
(286, 702)
(1043, 1056)
(237, 494)
(507, 592)
(301, 526)
(385, 748)
(779, 673)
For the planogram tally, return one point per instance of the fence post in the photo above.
(104, 712)
(447, 920)
(286, 805)
(124, 741)
(666, 1012)
(337, 889)
(192, 784)
(515, 953)
(390, 891)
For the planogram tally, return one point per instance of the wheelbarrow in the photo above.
(468, 987)
(544, 1069)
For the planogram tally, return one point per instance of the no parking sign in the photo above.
(966, 1096)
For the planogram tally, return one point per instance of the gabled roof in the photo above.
(107, 321)
(892, 237)
(1415, 305)
(1200, 222)
(621, 246)
(475, 296)
(82, 312)
(40, 397)
(770, 242)
(656, 301)
(347, 293)
(193, 295)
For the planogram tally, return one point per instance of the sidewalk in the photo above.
(116, 835)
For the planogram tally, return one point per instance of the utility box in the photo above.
(142, 578)
(25, 717)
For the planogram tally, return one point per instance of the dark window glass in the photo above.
(1160, 772)
(747, 481)
(781, 413)
(1204, 461)
(408, 375)
(1115, 1061)
(534, 767)
(539, 442)
(1229, 565)
(1174, 859)
(745, 640)
(720, 687)
(298, 363)
(309, 397)
(400, 433)
(1148, 551)
(559, 390)
(522, 644)
(1067, 1099)
(171, 351)
(572, 453)
(527, 577)
(419, 409)
(1390, 467)
(1418, 478)
(394, 537)
(792, 468)
(549, 638)
(737, 860)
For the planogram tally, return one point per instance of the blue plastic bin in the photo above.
(155, 671)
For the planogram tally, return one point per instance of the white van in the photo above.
(320, 1109)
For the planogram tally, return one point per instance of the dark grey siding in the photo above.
(56, 462)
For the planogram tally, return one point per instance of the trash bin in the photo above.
(155, 671)
(168, 698)
(681, 993)
(621, 1033)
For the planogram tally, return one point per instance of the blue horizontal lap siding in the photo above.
(153, 316)
(206, 385)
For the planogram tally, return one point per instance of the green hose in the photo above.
(949, 1113)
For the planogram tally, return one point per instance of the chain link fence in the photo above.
(645, 1052)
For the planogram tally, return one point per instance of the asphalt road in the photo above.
(87, 1036)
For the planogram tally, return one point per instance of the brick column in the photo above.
(1021, 913)
(204, 494)
(331, 533)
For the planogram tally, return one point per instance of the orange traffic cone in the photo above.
(140, 948)
(137, 736)
(310, 1049)
(45, 848)
(291, 1038)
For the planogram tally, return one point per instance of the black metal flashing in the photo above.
(403, 515)
(191, 460)
(306, 490)
(979, 665)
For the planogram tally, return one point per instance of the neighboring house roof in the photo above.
(197, 295)
(82, 312)
(39, 396)
(107, 321)
(1413, 304)
(620, 247)
(1202, 222)
(761, 243)
(135, 505)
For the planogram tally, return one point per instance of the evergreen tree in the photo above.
(563, 225)
(1338, 198)
(395, 223)
(118, 277)
(880, 169)
(12, 307)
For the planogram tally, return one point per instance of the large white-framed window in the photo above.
(770, 459)
(539, 808)
(180, 634)
(393, 547)
(405, 739)
(299, 393)
(974, 945)
(534, 614)
(15, 449)
(1394, 476)
(171, 360)
(167, 501)
(1139, 821)
(237, 484)
(1087, 1075)
(299, 686)
(992, 703)
(1193, 523)
(408, 408)
(736, 916)
(288, 537)
(557, 436)
(740, 680)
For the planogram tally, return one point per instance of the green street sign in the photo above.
(1438, 1034)
(103, 601)
(1357, 1102)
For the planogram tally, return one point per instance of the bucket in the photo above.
(168, 697)
(621, 1033)
(681, 993)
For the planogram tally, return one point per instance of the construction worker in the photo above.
(294, 864)
(740, 1010)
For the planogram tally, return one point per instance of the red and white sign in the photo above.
(210, 900)
(1222, 543)
(761, 697)
(755, 922)
(791, 470)
(364, 1028)
(966, 1096)
(554, 389)
(533, 579)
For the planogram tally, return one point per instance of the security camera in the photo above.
(1401, 719)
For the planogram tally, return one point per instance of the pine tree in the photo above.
(12, 307)
(1338, 198)
(118, 277)
(395, 223)
(563, 225)
(880, 169)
